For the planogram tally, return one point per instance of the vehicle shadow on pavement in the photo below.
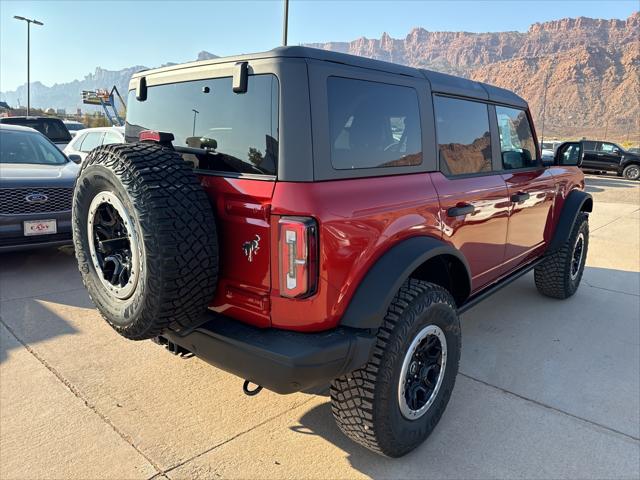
(319, 421)
(32, 321)
(37, 289)
(599, 184)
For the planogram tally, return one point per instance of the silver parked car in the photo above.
(36, 190)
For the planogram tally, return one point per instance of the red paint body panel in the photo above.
(358, 221)
(361, 219)
(481, 236)
(527, 219)
(242, 210)
(566, 180)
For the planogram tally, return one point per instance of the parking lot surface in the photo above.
(547, 389)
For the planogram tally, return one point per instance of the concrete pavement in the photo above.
(547, 389)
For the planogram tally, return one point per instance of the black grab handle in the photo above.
(519, 197)
(466, 209)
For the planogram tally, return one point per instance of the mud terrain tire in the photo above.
(559, 275)
(367, 403)
(145, 239)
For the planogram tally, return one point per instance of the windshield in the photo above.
(52, 128)
(28, 148)
(74, 126)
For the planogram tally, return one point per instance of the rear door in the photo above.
(232, 143)
(608, 155)
(531, 187)
(474, 199)
(590, 159)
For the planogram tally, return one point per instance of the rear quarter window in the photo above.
(240, 130)
(373, 124)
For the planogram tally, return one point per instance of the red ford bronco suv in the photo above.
(301, 217)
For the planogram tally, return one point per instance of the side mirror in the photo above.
(75, 158)
(616, 151)
(569, 154)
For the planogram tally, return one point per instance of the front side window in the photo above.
(235, 132)
(516, 139)
(373, 124)
(28, 148)
(464, 141)
(90, 141)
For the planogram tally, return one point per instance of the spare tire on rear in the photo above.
(145, 239)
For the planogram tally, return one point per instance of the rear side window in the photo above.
(90, 141)
(516, 139)
(110, 137)
(373, 124)
(606, 147)
(240, 131)
(464, 141)
(590, 146)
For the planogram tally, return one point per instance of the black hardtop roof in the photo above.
(440, 82)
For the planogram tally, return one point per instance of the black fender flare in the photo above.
(577, 201)
(373, 296)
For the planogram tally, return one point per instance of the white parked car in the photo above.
(86, 140)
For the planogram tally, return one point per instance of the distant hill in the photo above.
(591, 68)
(68, 95)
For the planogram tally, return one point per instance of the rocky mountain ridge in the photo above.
(590, 69)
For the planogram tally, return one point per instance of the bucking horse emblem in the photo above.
(251, 248)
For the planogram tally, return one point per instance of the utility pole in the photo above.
(544, 101)
(195, 114)
(29, 22)
(285, 26)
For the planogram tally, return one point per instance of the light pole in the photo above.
(195, 114)
(29, 22)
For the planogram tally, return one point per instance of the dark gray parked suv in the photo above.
(36, 189)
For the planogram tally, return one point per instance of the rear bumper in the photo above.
(280, 360)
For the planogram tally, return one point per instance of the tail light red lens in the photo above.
(298, 243)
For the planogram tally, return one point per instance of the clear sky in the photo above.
(81, 35)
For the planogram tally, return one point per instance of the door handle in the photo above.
(461, 209)
(519, 197)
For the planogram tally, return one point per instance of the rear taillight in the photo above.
(298, 239)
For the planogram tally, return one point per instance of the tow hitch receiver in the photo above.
(173, 348)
